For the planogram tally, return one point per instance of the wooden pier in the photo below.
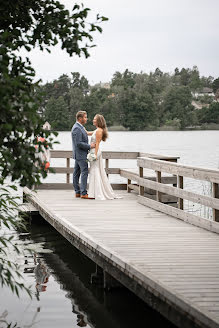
(145, 240)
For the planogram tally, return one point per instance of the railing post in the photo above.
(141, 189)
(107, 165)
(215, 191)
(158, 179)
(174, 161)
(68, 174)
(180, 185)
(128, 183)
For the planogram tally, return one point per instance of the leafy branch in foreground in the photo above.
(9, 270)
(26, 24)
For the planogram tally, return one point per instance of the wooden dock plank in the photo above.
(176, 259)
(27, 208)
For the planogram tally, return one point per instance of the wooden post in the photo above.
(180, 185)
(141, 189)
(109, 282)
(107, 165)
(68, 174)
(158, 179)
(172, 160)
(96, 278)
(215, 191)
(128, 182)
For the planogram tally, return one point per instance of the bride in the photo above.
(99, 185)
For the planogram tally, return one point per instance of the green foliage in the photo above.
(207, 82)
(177, 104)
(215, 85)
(62, 99)
(26, 24)
(9, 271)
(209, 114)
(191, 78)
(135, 101)
(174, 123)
(56, 113)
(206, 99)
(125, 79)
(138, 109)
(99, 101)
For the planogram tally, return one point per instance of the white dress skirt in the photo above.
(99, 185)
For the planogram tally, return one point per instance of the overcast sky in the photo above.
(142, 35)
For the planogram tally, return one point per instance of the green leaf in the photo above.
(104, 18)
(99, 29)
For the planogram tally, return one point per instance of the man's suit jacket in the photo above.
(80, 144)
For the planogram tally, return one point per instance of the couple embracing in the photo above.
(99, 186)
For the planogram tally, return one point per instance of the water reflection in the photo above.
(5, 323)
(62, 293)
(41, 275)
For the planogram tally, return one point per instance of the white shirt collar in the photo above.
(80, 124)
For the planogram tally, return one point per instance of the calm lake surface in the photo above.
(193, 147)
(196, 148)
(60, 275)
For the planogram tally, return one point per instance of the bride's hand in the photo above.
(89, 133)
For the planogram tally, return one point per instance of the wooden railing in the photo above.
(154, 190)
(181, 171)
(107, 156)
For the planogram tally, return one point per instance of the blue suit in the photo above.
(80, 149)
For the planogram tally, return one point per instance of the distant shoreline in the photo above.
(120, 128)
(205, 126)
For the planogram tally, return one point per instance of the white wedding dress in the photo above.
(99, 185)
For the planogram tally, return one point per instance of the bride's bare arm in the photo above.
(89, 133)
(99, 135)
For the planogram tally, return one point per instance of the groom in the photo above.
(80, 148)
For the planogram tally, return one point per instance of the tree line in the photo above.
(136, 101)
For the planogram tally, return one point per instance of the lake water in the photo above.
(60, 275)
(198, 148)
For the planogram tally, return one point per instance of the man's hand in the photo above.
(93, 145)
